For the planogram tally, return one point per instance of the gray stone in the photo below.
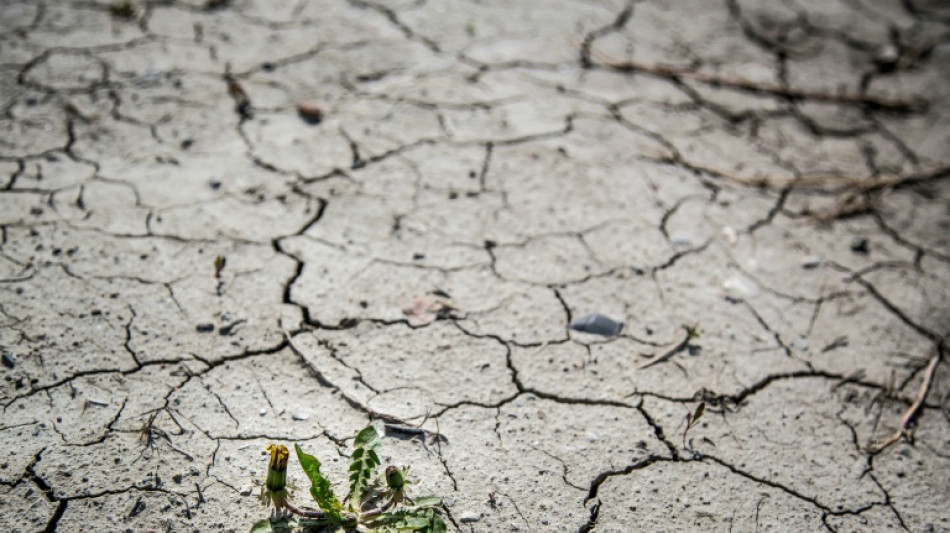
(597, 324)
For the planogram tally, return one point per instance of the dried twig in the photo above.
(688, 334)
(849, 207)
(876, 183)
(671, 72)
(860, 196)
(914, 410)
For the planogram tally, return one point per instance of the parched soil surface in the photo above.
(230, 223)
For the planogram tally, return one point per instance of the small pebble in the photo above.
(888, 53)
(204, 328)
(859, 245)
(310, 113)
(469, 517)
(8, 360)
(681, 240)
(300, 416)
(262, 412)
(800, 344)
(597, 324)
(811, 263)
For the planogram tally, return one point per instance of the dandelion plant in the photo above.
(375, 503)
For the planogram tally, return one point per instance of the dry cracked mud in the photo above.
(464, 180)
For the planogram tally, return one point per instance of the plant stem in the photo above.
(303, 512)
(379, 510)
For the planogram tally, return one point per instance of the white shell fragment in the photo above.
(300, 416)
(597, 324)
(740, 287)
(730, 235)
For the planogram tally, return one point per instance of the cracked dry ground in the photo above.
(774, 172)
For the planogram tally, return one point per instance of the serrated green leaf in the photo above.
(413, 523)
(437, 525)
(699, 412)
(261, 527)
(367, 439)
(269, 526)
(363, 463)
(422, 520)
(320, 488)
(426, 502)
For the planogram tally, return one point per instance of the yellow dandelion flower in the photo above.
(274, 491)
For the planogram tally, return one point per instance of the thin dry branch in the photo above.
(860, 196)
(914, 410)
(688, 334)
(677, 73)
(843, 184)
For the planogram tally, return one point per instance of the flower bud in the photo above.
(275, 487)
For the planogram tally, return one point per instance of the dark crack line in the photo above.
(271, 437)
(775, 335)
(896, 311)
(887, 496)
(735, 401)
(127, 343)
(677, 256)
(394, 19)
(761, 481)
(776, 208)
(918, 249)
(591, 523)
(564, 468)
(224, 406)
(486, 164)
(521, 388)
(334, 353)
(567, 314)
(604, 476)
(57, 516)
(94, 372)
(357, 161)
(782, 91)
(658, 432)
(349, 399)
(48, 492)
(616, 25)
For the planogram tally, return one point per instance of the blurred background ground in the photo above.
(229, 223)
